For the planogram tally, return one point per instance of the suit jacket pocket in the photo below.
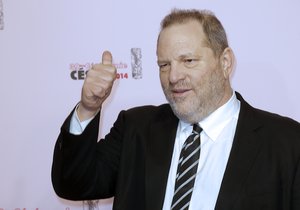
(264, 188)
(263, 196)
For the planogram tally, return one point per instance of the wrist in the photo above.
(85, 113)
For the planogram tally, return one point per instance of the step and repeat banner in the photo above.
(46, 47)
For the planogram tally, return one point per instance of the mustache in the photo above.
(180, 85)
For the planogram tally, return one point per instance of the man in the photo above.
(240, 158)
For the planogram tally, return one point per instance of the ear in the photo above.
(227, 62)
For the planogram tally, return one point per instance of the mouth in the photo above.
(180, 92)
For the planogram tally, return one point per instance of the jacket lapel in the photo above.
(159, 151)
(244, 150)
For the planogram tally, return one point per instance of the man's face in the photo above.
(191, 76)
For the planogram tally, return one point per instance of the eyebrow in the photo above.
(180, 57)
(162, 61)
(189, 55)
(186, 55)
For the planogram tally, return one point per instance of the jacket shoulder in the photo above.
(278, 122)
(149, 112)
(267, 118)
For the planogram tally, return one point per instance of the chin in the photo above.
(182, 113)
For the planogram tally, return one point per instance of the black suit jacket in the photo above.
(132, 162)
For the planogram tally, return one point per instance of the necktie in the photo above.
(186, 170)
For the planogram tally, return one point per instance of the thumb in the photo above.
(106, 58)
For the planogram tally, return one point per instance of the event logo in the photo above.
(22, 209)
(1, 16)
(78, 71)
(136, 63)
(91, 205)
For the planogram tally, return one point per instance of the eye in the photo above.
(163, 66)
(190, 62)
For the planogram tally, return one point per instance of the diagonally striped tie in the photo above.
(186, 171)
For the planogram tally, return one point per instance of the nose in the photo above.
(176, 73)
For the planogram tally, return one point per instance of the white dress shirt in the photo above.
(216, 141)
(77, 127)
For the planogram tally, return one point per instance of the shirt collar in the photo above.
(217, 120)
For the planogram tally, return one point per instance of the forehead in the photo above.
(184, 34)
(181, 39)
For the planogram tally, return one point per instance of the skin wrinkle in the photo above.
(192, 78)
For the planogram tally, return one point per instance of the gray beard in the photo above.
(195, 115)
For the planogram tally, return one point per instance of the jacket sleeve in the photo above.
(84, 168)
(296, 189)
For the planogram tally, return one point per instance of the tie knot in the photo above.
(197, 129)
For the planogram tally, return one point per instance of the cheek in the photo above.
(163, 78)
(197, 79)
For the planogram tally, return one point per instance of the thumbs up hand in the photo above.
(96, 87)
